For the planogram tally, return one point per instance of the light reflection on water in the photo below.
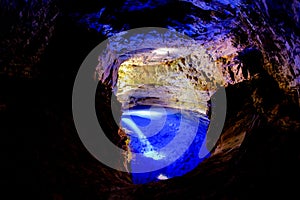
(150, 130)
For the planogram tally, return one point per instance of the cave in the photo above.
(164, 93)
(170, 77)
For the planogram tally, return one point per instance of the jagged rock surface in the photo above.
(258, 149)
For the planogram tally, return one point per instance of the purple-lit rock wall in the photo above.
(258, 151)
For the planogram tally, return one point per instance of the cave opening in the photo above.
(43, 44)
(157, 102)
(160, 85)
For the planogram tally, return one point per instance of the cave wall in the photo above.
(52, 161)
(25, 36)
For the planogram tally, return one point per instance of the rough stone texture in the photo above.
(279, 44)
(172, 83)
(51, 162)
(174, 72)
(25, 35)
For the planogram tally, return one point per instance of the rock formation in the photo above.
(255, 44)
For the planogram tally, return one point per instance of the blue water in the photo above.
(157, 128)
